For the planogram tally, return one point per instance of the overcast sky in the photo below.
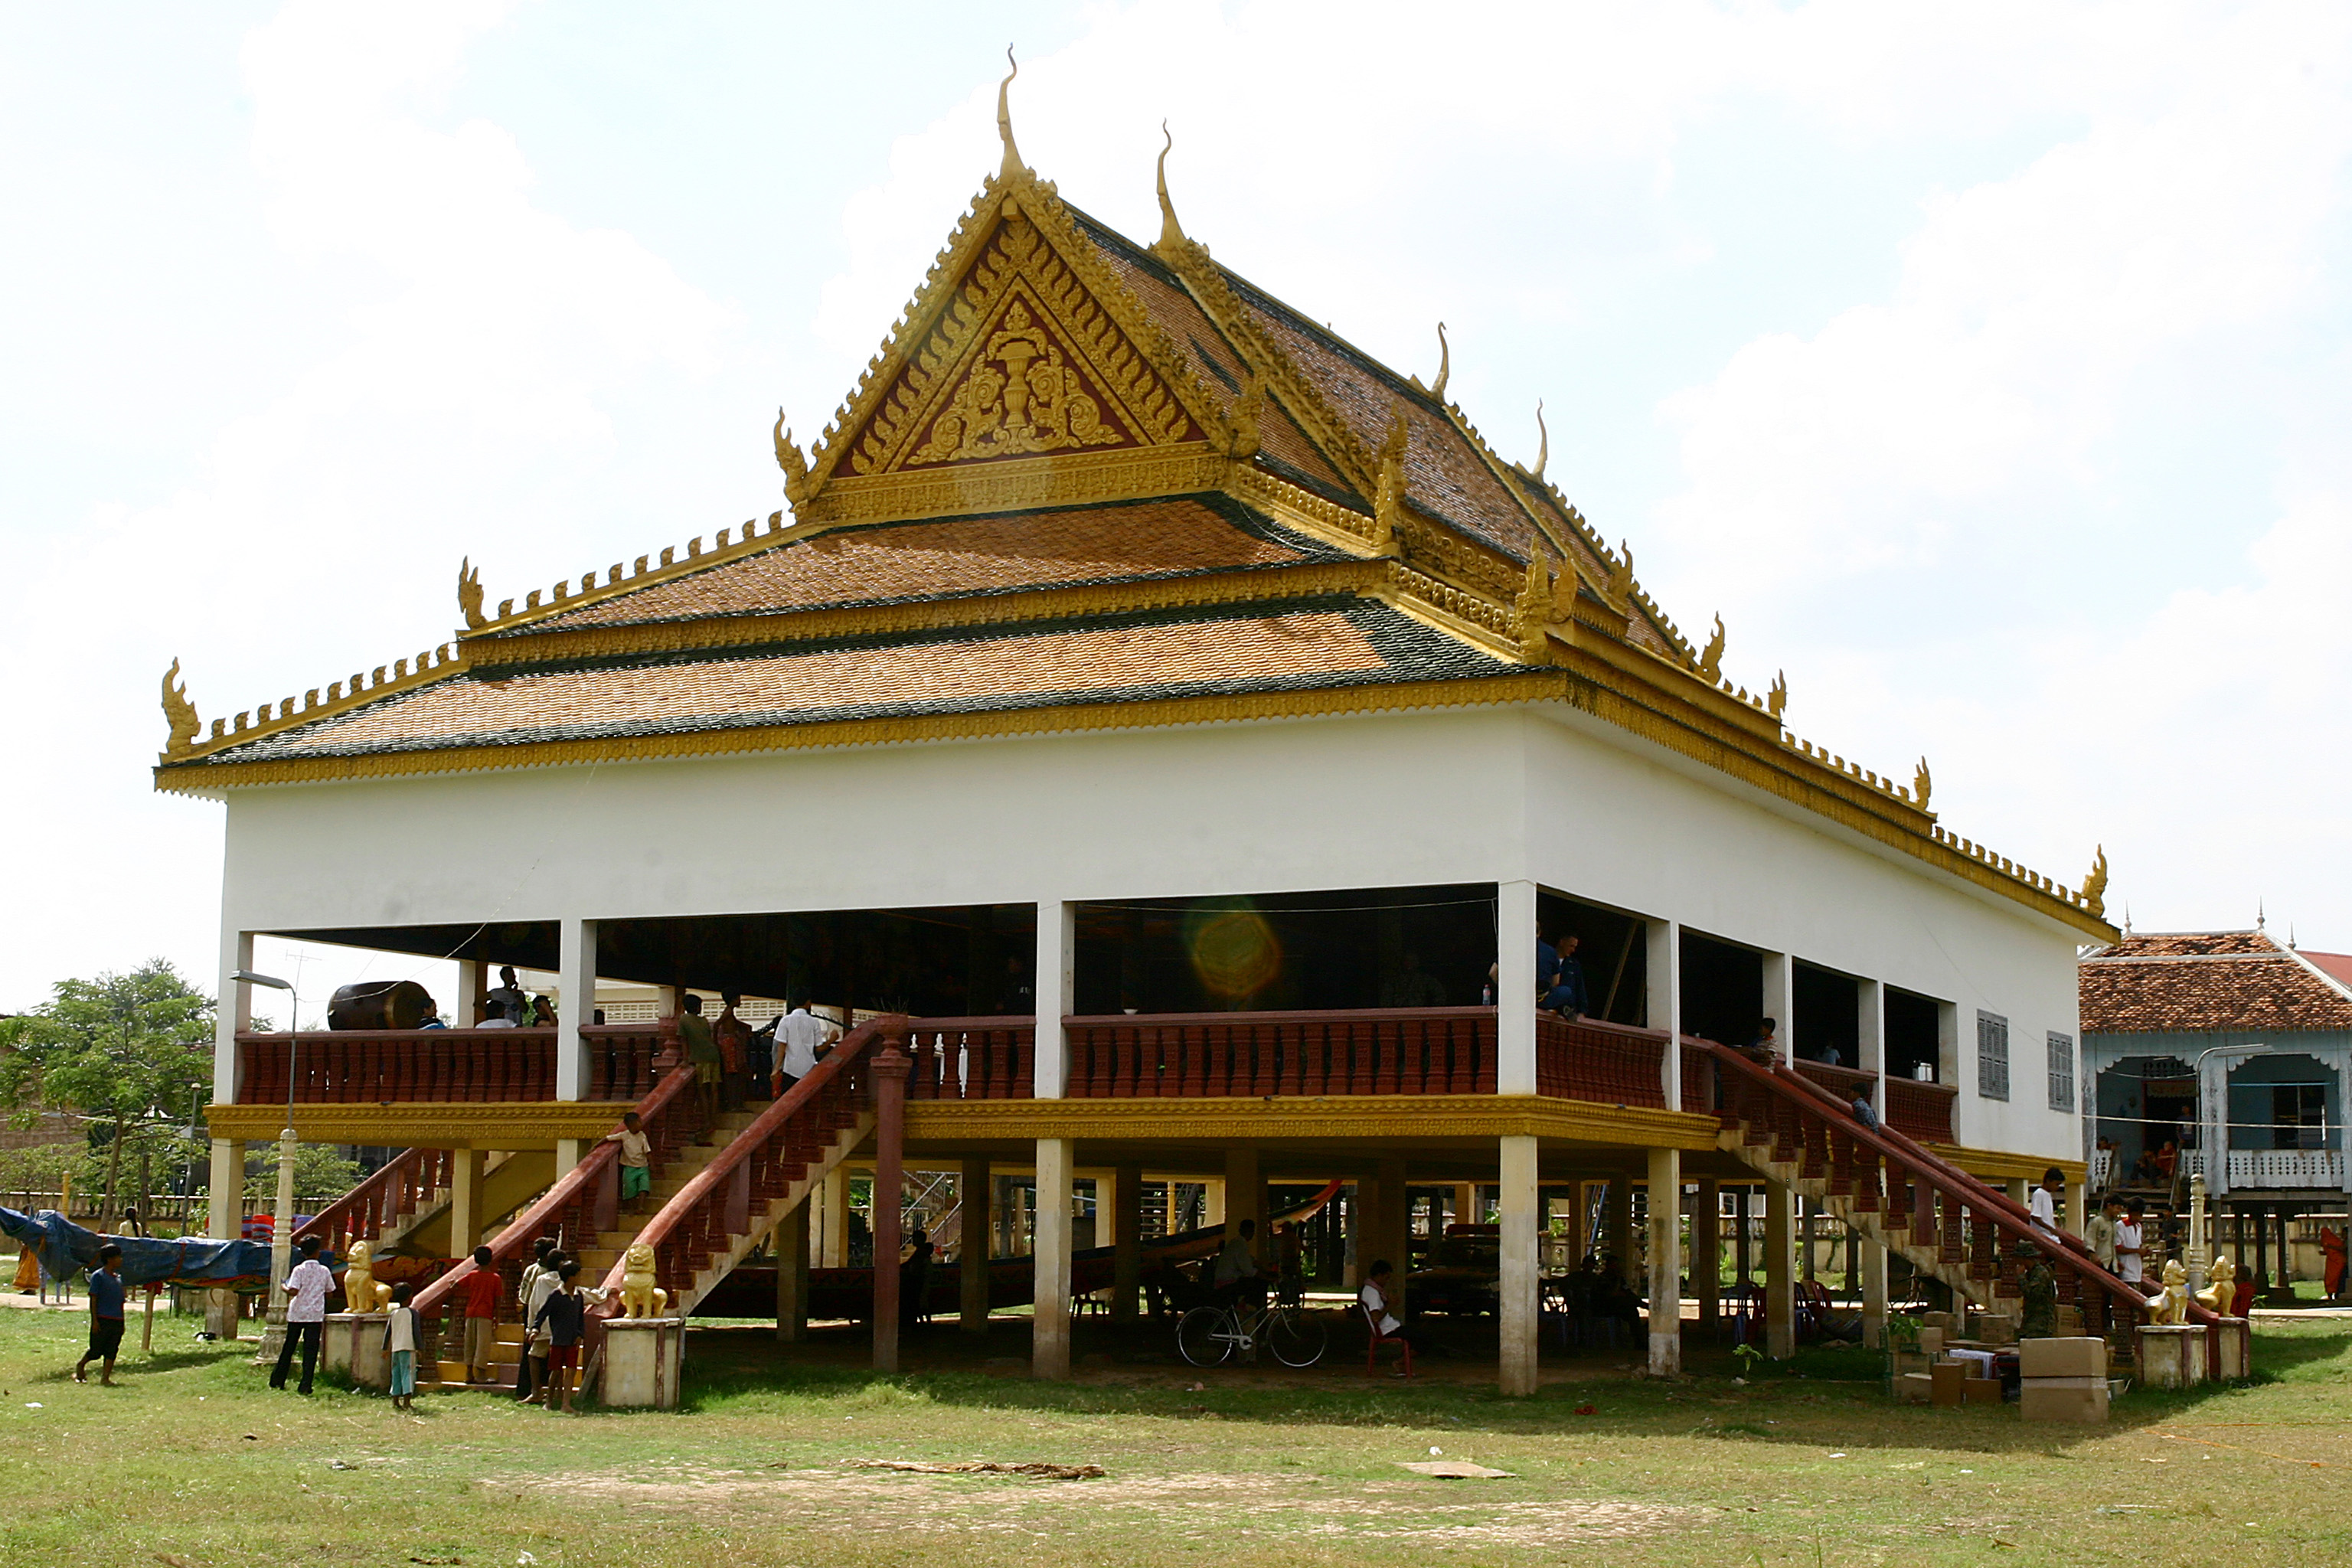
(1984, 365)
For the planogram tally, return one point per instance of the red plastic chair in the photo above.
(1378, 1339)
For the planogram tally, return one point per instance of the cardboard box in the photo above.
(1931, 1342)
(2083, 1404)
(1945, 1381)
(2062, 1358)
(1949, 1323)
(1916, 1388)
(1980, 1391)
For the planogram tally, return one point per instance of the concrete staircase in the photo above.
(764, 1219)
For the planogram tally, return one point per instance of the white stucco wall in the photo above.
(1473, 796)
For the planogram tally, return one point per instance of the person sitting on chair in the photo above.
(1379, 1282)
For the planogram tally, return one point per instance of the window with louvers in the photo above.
(2061, 1072)
(1992, 1057)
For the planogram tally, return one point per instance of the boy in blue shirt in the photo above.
(106, 1295)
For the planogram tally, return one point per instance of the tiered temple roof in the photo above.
(1084, 484)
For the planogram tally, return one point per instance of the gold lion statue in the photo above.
(2221, 1286)
(640, 1297)
(362, 1291)
(2172, 1305)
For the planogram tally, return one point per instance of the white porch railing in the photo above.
(2284, 1168)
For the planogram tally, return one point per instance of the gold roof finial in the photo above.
(1776, 702)
(1444, 365)
(1171, 233)
(1922, 784)
(2094, 886)
(470, 594)
(1543, 443)
(179, 713)
(1710, 662)
(795, 466)
(1013, 165)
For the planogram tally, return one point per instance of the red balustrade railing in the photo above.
(1919, 1110)
(1969, 1223)
(585, 1200)
(363, 1067)
(761, 1163)
(400, 1186)
(1387, 1050)
(1613, 1064)
(1843, 1082)
(379, 1066)
(972, 1058)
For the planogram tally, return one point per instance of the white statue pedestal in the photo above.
(2232, 1350)
(2172, 1355)
(642, 1359)
(352, 1343)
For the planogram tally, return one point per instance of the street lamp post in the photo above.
(2214, 1139)
(282, 1234)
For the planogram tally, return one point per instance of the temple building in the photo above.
(1191, 739)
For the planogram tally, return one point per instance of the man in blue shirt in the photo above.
(1564, 992)
(106, 1295)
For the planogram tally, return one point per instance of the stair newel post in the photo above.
(888, 1077)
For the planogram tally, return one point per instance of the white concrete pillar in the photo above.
(224, 1220)
(1947, 1051)
(576, 956)
(1514, 989)
(1665, 1262)
(569, 1153)
(1212, 1202)
(465, 1202)
(1049, 1355)
(1521, 1275)
(235, 1016)
(1869, 1026)
(1780, 1272)
(473, 985)
(1779, 1000)
(1663, 997)
(1057, 928)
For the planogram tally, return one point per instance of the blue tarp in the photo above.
(66, 1249)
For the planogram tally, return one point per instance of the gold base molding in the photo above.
(424, 1124)
(1414, 1117)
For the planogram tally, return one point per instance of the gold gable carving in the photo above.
(1025, 359)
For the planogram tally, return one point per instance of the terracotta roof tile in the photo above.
(1296, 645)
(1445, 475)
(2196, 981)
(954, 557)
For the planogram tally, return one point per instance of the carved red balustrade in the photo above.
(585, 1200)
(761, 1163)
(1389, 1050)
(1613, 1064)
(1967, 1223)
(385, 1066)
(397, 1188)
(1919, 1110)
(972, 1058)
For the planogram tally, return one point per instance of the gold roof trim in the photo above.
(183, 746)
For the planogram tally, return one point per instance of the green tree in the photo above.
(132, 1053)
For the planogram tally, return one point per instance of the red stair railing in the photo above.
(761, 1161)
(400, 1186)
(1799, 1107)
(585, 1199)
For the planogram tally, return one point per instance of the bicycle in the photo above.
(1208, 1336)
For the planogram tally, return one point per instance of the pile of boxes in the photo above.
(2063, 1380)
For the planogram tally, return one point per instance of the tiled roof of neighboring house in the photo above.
(1297, 645)
(895, 563)
(2338, 965)
(2199, 982)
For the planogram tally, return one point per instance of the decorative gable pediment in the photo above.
(1024, 374)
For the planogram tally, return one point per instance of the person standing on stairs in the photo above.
(702, 1051)
(2045, 1199)
(480, 1291)
(2128, 1243)
(528, 1295)
(734, 1037)
(637, 1163)
(802, 1037)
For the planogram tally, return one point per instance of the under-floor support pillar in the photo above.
(832, 1219)
(1874, 1294)
(1049, 1353)
(973, 1190)
(465, 1202)
(1393, 1227)
(1665, 1262)
(1521, 1278)
(1122, 1206)
(1245, 1198)
(790, 1248)
(890, 1071)
(1618, 1227)
(224, 1219)
(1707, 1253)
(1780, 1272)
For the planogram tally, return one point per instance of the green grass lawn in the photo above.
(193, 1461)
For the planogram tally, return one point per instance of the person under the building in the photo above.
(803, 1037)
(701, 1047)
(1237, 1276)
(734, 1037)
(507, 1000)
